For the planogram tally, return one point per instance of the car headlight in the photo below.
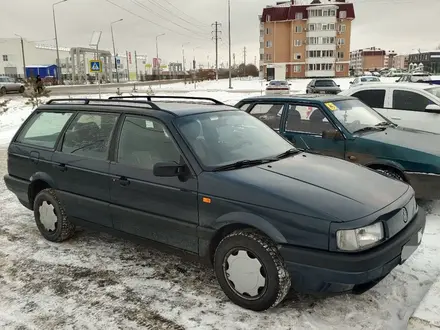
(361, 238)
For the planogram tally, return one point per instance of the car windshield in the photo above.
(226, 137)
(434, 91)
(325, 83)
(355, 115)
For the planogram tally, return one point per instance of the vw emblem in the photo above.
(405, 215)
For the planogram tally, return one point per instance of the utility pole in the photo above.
(244, 61)
(183, 60)
(136, 65)
(60, 76)
(233, 57)
(114, 48)
(22, 54)
(216, 38)
(229, 41)
(128, 67)
(157, 55)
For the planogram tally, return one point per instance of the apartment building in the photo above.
(401, 62)
(306, 40)
(371, 59)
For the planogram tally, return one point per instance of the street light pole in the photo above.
(22, 54)
(183, 59)
(60, 78)
(114, 48)
(229, 37)
(157, 53)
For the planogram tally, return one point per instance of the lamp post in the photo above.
(22, 54)
(229, 40)
(157, 53)
(60, 78)
(194, 65)
(114, 48)
(183, 59)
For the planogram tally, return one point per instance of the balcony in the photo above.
(261, 38)
(321, 47)
(320, 73)
(321, 33)
(313, 60)
(261, 50)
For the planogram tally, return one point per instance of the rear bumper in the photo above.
(314, 271)
(19, 187)
(426, 185)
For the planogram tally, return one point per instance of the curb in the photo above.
(427, 314)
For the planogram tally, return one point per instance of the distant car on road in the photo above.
(407, 104)
(8, 84)
(213, 182)
(419, 77)
(345, 128)
(323, 86)
(363, 80)
(278, 87)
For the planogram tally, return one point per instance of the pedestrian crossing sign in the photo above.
(95, 66)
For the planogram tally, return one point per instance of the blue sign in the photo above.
(95, 66)
(118, 61)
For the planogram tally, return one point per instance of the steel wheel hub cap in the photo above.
(48, 217)
(244, 273)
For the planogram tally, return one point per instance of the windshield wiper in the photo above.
(288, 153)
(385, 124)
(244, 163)
(370, 128)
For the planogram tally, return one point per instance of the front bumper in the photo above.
(314, 271)
(426, 185)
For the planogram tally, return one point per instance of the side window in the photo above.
(374, 98)
(145, 142)
(89, 135)
(307, 119)
(245, 106)
(268, 113)
(406, 100)
(44, 128)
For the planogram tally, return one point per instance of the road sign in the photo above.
(95, 66)
(118, 61)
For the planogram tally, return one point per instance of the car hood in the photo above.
(423, 141)
(312, 185)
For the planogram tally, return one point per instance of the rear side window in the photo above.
(406, 100)
(43, 129)
(374, 98)
(89, 135)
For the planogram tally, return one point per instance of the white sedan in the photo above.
(278, 87)
(407, 104)
(363, 80)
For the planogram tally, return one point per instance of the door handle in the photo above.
(396, 118)
(352, 158)
(61, 167)
(124, 181)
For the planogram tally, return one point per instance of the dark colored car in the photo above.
(344, 127)
(216, 183)
(323, 86)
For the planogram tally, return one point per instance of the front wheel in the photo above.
(390, 174)
(251, 271)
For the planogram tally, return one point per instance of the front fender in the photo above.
(251, 220)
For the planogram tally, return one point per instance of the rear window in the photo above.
(44, 128)
(325, 83)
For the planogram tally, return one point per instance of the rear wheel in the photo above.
(2, 91)
(21, 90)
(250, 270)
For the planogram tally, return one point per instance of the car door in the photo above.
(162, 209)
(408, 110)
(269, 112)
(304, 125)
(374, 98)
(81, 167)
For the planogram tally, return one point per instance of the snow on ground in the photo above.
(95, 281)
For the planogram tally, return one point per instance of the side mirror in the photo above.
(290, 84)
(397, 80)
(433, 108)
(351, 82)
(332, 135)
(339, 85)
(168, 170)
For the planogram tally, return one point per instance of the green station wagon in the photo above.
(346, 128)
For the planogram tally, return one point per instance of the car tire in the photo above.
(2, 91)
(51, 217)
(236, 255)
(392, 174)
(21, 90)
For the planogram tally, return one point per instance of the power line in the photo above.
(150, 21)
(190, 17)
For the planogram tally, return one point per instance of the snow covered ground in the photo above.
(96, 281)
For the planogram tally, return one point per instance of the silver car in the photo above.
(8, 85)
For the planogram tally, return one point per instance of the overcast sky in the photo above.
(400, 25)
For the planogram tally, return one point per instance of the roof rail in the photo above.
(149, 97)
(98, 101)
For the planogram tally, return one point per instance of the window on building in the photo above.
(268, 57)
(339, 68)
(5, 58)
(89, 135)
(268, 18)
(332, 12)
(297, 68)
(374, 98)
(261, 57)
(269, 113)
(158, 145)
(343, 14)
(298, 15)
(342, 28)
(267, 30)
(261, 44)
(298, 29)
(411, 101)
(341, 41)
(298, 43)
(268, 44)
(297, 56)
(340, 54)
(321, 67)
(44, 128)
